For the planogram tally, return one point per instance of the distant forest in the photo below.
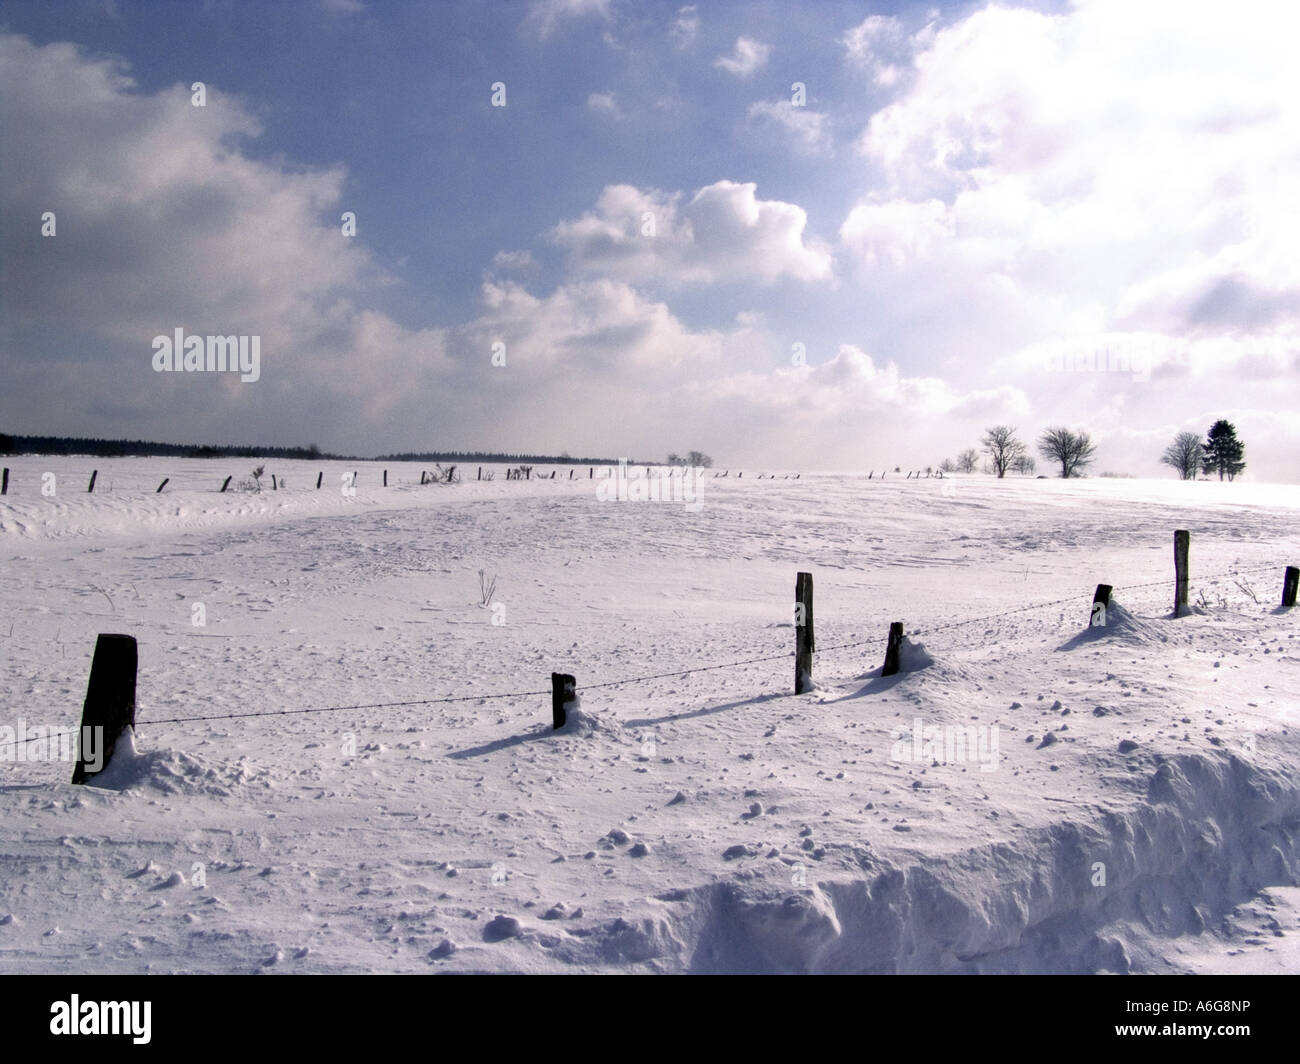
(145, 448)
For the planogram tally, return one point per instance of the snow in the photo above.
(710, 821)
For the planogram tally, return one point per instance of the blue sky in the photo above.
(971, 208)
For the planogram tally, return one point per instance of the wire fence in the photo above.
(922, 629)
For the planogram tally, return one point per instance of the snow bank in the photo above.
(1082, 896)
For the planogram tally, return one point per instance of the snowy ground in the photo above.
(710, 821)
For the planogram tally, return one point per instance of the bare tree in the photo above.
(1073, 450)
(947, 466)
(1024, 464)
(968, 460)
(1185, 455)
(1002, 447)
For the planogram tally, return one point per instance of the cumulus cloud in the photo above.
(162, 221)
(880, 46)
(747, 56)
(1114, 171)
(724, 233)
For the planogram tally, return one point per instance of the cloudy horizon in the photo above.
(834, 236)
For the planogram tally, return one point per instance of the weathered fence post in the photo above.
(563, 687)
(4, 482)
(1100, 604)
(226, 483)
(275, 484)
(480, 473)
(385, 478)
(1289, 584)
(93, 474)
(1182, 539)
(803, 633)
(162, 485)
(110, 703)
(319, 476)
(892, 650)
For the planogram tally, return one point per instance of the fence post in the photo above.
(4, 483)
(385, 478)
(93, 474)
(110, 703)
(1289, 583)
(1181, 541)
(162, 485)
(563, 687)
(891, 651)
(1100, 604)
(480, 473)
(803, 633)
(226, 483)
(275, 484)
(318, 479)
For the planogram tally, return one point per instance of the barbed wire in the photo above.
(627, 681)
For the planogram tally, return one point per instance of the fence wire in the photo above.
(630, 680)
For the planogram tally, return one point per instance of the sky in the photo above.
(841, 236)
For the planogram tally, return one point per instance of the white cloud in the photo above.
(747, 57)
(513, 260)
(545, 15)
(806, 129)
(684, 27)
(604, 103)
(724, 233)
(1118, 171)
(880, 46)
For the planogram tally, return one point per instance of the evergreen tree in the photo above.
(1224, 453)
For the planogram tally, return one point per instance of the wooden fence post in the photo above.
(480, 473)
(162, 485)
(563, 687)
(226, 483)
(1181, 542)
(275, 484)
(1100, 604)
(4, 483)
(318, 479)
(110, 703)
(1289, 584)
(891, 651)
(803, 633)
(385, 478)
(93, 474)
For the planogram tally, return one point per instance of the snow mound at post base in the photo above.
(168, 771)
(913, 656)
(1125, 627)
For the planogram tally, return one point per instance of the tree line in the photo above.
(101, 448)
(1073, 451)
